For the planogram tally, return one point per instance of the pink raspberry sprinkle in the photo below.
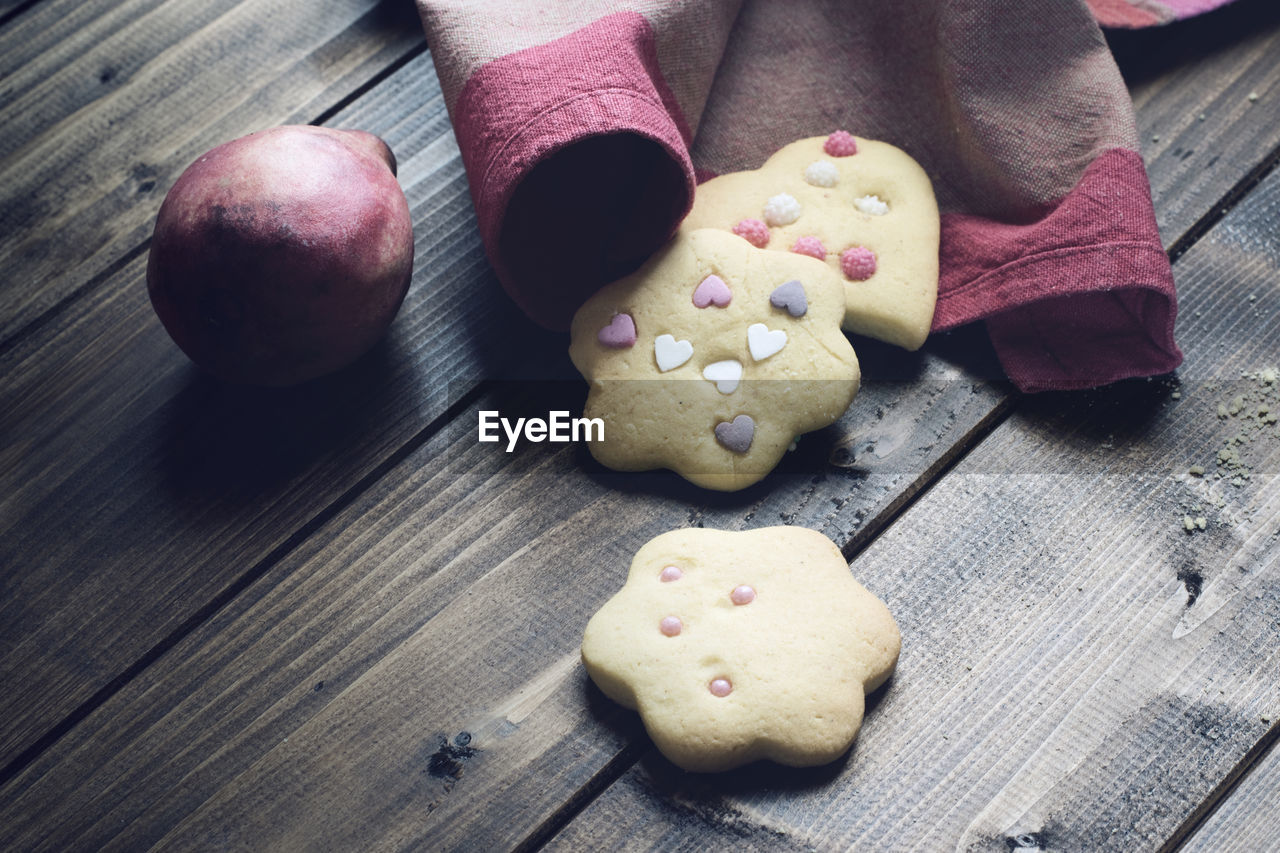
(720, 687)
(858, 263)
(753, 231)
(742, 595)
(671, 573)
(840, 144)
(810, 246)
(670, 626)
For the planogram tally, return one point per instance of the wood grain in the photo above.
(105, 103)
(1079, 670)
(142, 465)
(1181, 121)
(448, 598)
(1248, 819)
(323, 693)
(169, 492)
(137, 491)
(10, 9)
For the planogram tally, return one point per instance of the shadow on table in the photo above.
(235, 441)
(703, 792)
(1149, 53)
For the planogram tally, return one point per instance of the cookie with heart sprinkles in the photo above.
(712, 357)
(865, 208)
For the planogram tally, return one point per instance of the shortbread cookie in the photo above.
(864, 207)
(712, 358)
(737, 646)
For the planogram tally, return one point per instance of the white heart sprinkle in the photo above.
(671, 353)
(871, 205)
(725, 374)
(762, 342)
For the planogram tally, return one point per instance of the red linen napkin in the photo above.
(582, 124)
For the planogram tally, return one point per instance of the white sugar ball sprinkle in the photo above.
(871, 205)
(782, 209)
(822, 173)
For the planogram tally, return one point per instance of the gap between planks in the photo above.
(231, 592)
(857, 544)
(851, 549)
(115, 267)
(1257, 748)
(1263, 751)
(941, 467)
(15, 10)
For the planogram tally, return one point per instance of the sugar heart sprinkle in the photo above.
(620, 333)
(725, 375)
(712, 291)
(736, 435)
(764, 342)
(791, 298)
(670, 353)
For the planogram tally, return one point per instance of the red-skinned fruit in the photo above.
(283, 255)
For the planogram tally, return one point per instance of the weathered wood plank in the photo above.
(241, 520)
(436, 606)
(10, 9)
(1180, 120)
(136, 491)
(1079, 671)
(205, 483)
(1248, 819)
(104, 103)
(448, 598)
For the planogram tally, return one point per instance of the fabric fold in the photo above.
(1079, 295)
(577, 147)
(583, 124)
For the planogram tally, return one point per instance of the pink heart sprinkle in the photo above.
(712, 291)
(620, 333)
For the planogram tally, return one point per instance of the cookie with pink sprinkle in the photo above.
(712, 357)
(864, 207)
(737, 646)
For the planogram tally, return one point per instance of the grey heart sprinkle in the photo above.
(791, 297)
(737, 435)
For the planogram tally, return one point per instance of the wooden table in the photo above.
(328, 618)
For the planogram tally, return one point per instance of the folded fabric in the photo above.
(1134, 14)
(582, 125)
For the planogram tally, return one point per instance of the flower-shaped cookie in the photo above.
(737, 646)
(712, 358)
(865, 207)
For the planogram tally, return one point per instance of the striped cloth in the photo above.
(585, 125)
